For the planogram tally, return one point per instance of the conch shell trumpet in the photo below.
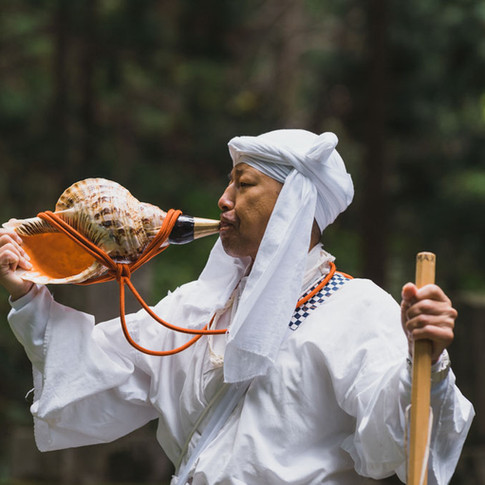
(108, 215)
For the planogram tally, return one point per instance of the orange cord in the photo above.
(122, 273)
(319, 287)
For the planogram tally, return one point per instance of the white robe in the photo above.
(331, 410)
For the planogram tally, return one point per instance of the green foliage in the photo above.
(148, 93)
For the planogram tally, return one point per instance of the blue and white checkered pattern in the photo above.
(329, 289)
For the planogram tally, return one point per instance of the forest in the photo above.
(148, 93)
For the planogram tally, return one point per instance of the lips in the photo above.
(227, 223)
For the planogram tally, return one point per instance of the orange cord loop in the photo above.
(122, 273)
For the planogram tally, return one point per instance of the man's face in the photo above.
(246, 207)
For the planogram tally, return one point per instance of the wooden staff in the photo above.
(421, 386)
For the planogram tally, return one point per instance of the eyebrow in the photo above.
(238, 171)
(235, 172)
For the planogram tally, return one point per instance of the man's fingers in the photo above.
(430, 307)
(431, 319)
(440, 337)
(428, 322)
(431, 292)
(25, 264)
(9, 261)
(11, 239)
(10, 234)
(433, 332)
(411, 294)
(12, 257)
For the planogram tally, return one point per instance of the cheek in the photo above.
(255, 209)
(261, 214)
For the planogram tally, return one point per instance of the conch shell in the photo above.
(109, 216)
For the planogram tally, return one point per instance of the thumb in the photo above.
(409, 291)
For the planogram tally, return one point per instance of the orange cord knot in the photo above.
(122, 271)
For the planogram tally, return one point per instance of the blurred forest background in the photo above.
(147, 93)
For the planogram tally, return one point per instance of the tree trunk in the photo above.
(60, 96)
(87, 88)
(375, 218)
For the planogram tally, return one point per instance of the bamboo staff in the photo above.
(421, 386)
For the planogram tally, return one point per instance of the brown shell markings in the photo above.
(103, 211)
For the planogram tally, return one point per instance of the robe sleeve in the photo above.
(379, 399)
(87, 386)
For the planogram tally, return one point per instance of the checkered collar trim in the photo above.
(337, 281)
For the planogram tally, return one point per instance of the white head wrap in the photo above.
(278, 152)
(316, 185)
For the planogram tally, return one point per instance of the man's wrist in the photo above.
(18, 297)
(17, 293)
(439, 370)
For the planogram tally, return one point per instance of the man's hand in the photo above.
(12, 256)
(427, 313)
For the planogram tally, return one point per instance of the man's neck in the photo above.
(316, 235)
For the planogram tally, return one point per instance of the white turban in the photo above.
(278, 152)
(316, 185)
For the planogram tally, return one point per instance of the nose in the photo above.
(226, 201)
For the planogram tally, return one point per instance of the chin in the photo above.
(230, 251)
(234, 250)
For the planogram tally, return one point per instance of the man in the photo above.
(307, 396)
